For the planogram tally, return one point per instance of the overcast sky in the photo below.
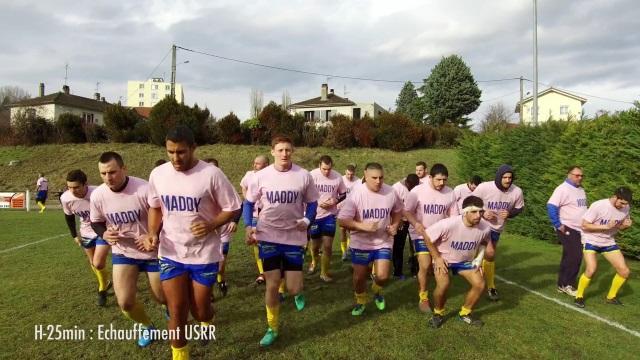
(588, 47)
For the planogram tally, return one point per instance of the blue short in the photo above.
(205, 274)
(600, 249)
(280, 256)
(420, 247)
(254, 222)
(365, 257)
(225, 248)
(495, 236)
(143, 265)
(455, 268)
(88, 243)
(41, 196)
(323, 227)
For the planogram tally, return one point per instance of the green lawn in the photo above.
(50, 283)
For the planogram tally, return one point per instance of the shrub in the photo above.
(229, 130)
(32, 130)
(364, 132)
(340, 134)
(397, 132)
(69, 128)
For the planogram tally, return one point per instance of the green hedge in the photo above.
(608, 150)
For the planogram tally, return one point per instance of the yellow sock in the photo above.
(438, 311)
(312, 254)
(41, 206)
(219, 278)
(343, 246)
(464, 311)
(103, 277)
(582, 285)
(282, 287)
(373, 268)
(256, 255)
(361, 298)
(377, 289)
(205, 323)
(424, 295)
(180, 353)
(272, 317)
(616, 284)
(138, 315)
(325, 261)
(489, 269)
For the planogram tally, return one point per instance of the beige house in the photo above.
(328, 104)
(553, 104)
(150, 92)
(53, 105)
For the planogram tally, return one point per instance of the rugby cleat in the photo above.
(493, 294)
(145, 337)
(357, 310)
(380, 303)
(269, 338)
(579, 302)
(300, 301)
(436, 321)
(614, 301)
(467, 319)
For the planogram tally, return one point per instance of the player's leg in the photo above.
(325, 261)
(314, 247)
(424, 263)
(125, 281)
(360, 274)
(476, 280)
(221, 281)
(439, 298)
(99, 262)
(591, 264)
(176, 285)
(489, 266)
(616, 259)
(344, 243)
(398, 250)
(382, 260)
(256, 256)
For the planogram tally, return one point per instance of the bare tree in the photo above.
(286, 99)
(10, 94)
(256, 103)
(496, 119)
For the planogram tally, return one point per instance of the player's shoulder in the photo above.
(66, 196)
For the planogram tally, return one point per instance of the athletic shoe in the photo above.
(579, 302)
(569, 290)
(467, 319)
(260, 279)
(312, 269)
(614, 301)
(436, 321)
(357, 310)
(372, 276)
(493, 294)
(424, 306)
(102, 298)
(145, 337)
(326, 278)
(223, 288)
(269, 337)
(380, 303)
(300, 301)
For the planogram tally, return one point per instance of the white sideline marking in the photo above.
(31, 243)
(572, 307)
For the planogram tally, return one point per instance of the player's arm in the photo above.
(591, 227)
(413, 220)
(439, 264)
(71, 224)
(247, 217)
(477, 261)
(352, 224)
(396, 217)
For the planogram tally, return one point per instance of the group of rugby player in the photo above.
(173, 228)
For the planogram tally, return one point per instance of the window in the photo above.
(87, 118)
(154, 96)
(141, 86)
(167, 87)
(356, 114)
(141, 103)
(154, 87)
(308, 115)
(31, 113)
(564, 109)
(141, 95)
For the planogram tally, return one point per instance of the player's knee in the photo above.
(479, 284)
(203, 314)
(624, 271)
(98, 264)
(126, 304)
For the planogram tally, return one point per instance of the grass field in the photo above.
(50, 284)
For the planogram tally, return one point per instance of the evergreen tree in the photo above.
(408, 103)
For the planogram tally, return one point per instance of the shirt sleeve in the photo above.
(95, 209)
(153, 199)
(253, 189)
(519, 203)
(348, 210)
(435, 231)
(65, 208)
(591, 215)
(342, 188)
(411, 202)
(223, 192)
(556, 198)
(397, 204)
(311, 193)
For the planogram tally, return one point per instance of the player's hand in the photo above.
(111, 235)
(301, 224)
(150, 242)
(369, 226)
(140, 242)
(201, 228)
(625, 223)
(489, 215)
(440, 265)
(611, 224)
(77, 240)
(419, 228)
(503, 214)
(250, 235)
(392, 229)
(563, 230)
(233, 227)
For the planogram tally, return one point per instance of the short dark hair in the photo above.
(373, 165)
(439, 169)
(77, 176)
(280, 139)
(472, 201)
(111, 155)
(624, 193)
(573, 167)
(326, 159)
(422, 163)
(475, 180)
(351, 167)
(181, 134)
(213, 161)
(412, 180)
(159, 162)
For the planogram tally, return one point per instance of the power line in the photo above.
(151, 73)
(584, 94)
(307, 72)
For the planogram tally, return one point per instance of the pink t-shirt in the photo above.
(244, 183)
(42, 184)
(364, 205)
(79, 207)
(456, 241)
(572, 202)
(198, 194)
(495, 199)
(328, 187)
(283, 195)
(600, 213)
(126, 210)
(225, 233)
(430, 206)
(461, 192)
(350, 184)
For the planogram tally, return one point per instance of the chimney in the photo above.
(41, 93)
(65, 89)
(331, 91)
(103, 99)
(323, 92)
(97, 96)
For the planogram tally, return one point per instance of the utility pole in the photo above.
(173, 71)
(534, 116)
(521, 91)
